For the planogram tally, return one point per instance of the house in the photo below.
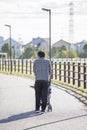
(61, 43)
(16, 47)
(39, 44)
(79, 46)
(1, 39)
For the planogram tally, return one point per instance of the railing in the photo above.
(16, 66)
(70, 72)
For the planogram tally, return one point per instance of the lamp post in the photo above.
(10, 39)
(49, 10)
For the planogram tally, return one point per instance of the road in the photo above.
(17, 104)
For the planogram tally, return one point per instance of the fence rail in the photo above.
(71, 72)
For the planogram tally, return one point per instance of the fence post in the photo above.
(85, 75)
(55, 70)
(0, 65)
(26, 66)
(59, 70)
(5, 65)
(64, 71)
(52, 70)
(18, 65)
(22, 66)
(30, 67)
(10, 66)
(73, 73)
(14, 65)
(79, 74)
(68, 72)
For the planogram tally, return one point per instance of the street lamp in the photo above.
(10, 38)
(49, 10)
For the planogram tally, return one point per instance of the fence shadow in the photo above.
(58, 121)
(73, 93)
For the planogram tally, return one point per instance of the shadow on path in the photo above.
(20, 116)
(50, 123)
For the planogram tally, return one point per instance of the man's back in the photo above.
(42, 69)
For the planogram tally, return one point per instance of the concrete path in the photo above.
(17, 101)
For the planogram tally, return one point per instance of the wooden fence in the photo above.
(70, 72)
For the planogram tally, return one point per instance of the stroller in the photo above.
(49, 106)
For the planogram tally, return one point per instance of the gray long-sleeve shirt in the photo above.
(42, 69)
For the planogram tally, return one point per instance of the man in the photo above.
(42, 71)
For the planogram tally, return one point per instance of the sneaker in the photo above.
(37, 111)
(42, 112)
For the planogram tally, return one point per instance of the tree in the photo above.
(54, 51)
(72, 54)
(28, 53)
(85, 48)
(64, 54)
(63, 48)
(6, 49)
(59, 52)
(84, 55)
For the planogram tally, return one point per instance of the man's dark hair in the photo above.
(41, 54)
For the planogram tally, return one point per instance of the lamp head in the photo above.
(46, 9)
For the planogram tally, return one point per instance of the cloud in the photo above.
(27, 17)
(32, 9)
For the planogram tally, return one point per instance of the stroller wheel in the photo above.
(49, 107)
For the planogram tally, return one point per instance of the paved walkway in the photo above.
(17, 107)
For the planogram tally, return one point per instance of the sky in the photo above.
(28, 20)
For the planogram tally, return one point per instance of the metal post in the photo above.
(49, 10)
(10, 47)
(10, 37)
(50, 34)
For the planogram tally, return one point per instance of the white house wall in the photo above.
(16, 45)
